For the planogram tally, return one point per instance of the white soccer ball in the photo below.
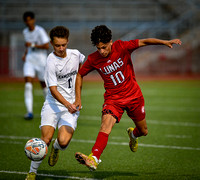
(36, 149)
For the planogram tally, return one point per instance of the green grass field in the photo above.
(170, 151)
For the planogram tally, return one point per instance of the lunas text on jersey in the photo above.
(112, 67)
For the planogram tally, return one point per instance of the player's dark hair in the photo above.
(28, 14)
(101, 34)
(60, 32)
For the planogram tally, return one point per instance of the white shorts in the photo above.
(54, 115)
(35, 66)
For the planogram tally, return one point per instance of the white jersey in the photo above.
(61, 72)
(39, 37)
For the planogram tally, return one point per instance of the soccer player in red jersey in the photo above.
(113, 62)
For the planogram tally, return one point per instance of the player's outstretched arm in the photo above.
(78, 88)
(173, 41)
(154, 41)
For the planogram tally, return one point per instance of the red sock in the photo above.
(136, 132)
(100, 144)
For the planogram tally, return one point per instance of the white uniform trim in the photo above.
(61, 72)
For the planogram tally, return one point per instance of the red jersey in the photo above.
(116, 70)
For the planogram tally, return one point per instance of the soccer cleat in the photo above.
(89, 161)
(133, 143)
(28, 116)
(31, 176)
(53, 157)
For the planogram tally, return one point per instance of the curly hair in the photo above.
(60, 32)
(101, 34)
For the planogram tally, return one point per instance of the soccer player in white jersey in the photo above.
(36, 43)
(58, 109)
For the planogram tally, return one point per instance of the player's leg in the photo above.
(66, 127)
(137, 113)
(138, 116)
(62, 141)
(107, 124)
(110, 116)
(29, 73)
(139, 130)
(65, 134)
(46, 135)
(28, 97)
(93, 160)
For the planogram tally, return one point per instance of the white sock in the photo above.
(56, 145)
(97, 160)
(34, 166)
(28, 96)
(45, 90)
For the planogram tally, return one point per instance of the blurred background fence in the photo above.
(128, 19)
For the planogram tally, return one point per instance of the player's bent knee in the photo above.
(64, 145)
(144, 132)
(63, 142)
(107, 124)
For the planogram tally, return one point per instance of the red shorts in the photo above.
(134, 108)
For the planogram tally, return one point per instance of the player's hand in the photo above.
(173, 41)
(71, 108)
(78, 105)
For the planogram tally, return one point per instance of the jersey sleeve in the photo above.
(81, 58)
(50, 74)
(43, 35)
(24, 32)
(130, 45)
(86, 68)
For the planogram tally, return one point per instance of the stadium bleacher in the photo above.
(128, 20)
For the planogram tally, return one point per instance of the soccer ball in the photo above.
(36, 149)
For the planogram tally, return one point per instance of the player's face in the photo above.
(60, 46)
(30, 23)
(104, 49)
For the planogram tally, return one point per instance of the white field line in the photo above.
(177, 136)
(112, 143)
(48, 175)
(142, 145)
(98, 118)
(10, 142)
(167, 135)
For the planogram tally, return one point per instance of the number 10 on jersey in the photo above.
(117, 78)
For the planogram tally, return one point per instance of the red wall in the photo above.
(4, 62)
